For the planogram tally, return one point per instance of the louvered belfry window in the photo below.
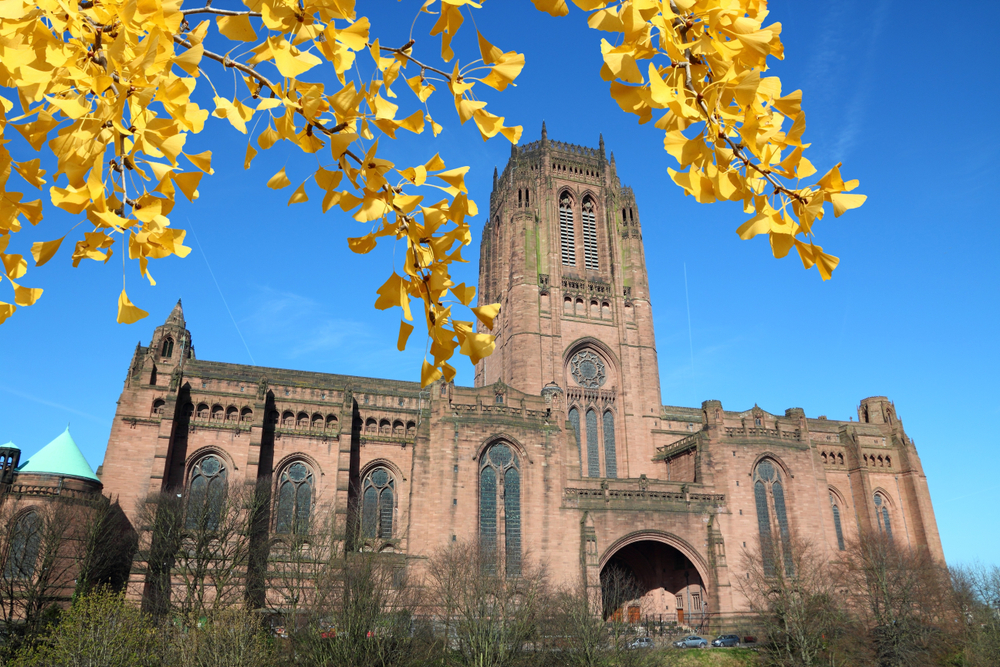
(567, 236)
(500, 488)
(590, 235)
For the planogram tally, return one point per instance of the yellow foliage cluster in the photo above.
(107, 87)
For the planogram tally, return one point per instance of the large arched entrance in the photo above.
(647, 579)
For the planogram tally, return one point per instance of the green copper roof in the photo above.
(60, 457)
(10, 445)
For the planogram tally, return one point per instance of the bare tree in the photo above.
(576, 623)
(798, 606)
(619, 590)
(488, 617)
(106, 545)
(360, 613)
(901, 598)
(977, 593)
(198, 550)
(39, 562)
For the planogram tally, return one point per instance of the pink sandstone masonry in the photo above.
(594, 471)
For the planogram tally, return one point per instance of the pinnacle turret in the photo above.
(176, 315)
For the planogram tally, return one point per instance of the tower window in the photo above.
(567, 235)
(574, 420)
(168, 348)
(593, 461)
(590, 235)
(610, 456)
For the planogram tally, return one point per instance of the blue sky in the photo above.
(911, 312)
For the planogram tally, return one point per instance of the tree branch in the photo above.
(222, 12)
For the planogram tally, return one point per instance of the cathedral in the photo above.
(562, 453)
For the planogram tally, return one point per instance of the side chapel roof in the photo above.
(60, 457)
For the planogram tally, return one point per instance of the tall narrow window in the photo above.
(567, 236)
(25, 541)
(168, 347)
(764, 527)
(294, 500)
(836, 523)
(610, 456)
(882, 513)
(500, 487)
(769, 494)
(590, 235)
(786, 539)
(377, 504)
(574, 420)
(206, 493)
(593, 460)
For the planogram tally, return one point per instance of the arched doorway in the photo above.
(647, 579)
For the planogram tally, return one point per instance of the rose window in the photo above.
(588, 369)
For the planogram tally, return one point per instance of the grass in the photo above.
(730, 657)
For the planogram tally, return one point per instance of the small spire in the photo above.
(176, 315)
(612, 157)
(494, 178)
(545, 134)
(600, 144)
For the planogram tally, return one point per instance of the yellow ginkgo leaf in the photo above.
(362, 245)
(237, 28)
(463, 293)
(394, 293)
(299, 195)
(486, 314)
(279, 180)
(25, 296)
(251, 154)
(128, 313)
(844, 202)
(14, 265)
(43, 251)
(428, 374)
(405, 329)
(202, 160)
(552, 7)
(6, 310)
(188, 183)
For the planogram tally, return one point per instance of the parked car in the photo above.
(726, 640)
(641, 642)
(691, 641)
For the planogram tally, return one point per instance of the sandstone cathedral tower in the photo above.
(562, 452)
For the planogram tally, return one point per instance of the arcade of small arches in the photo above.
(598, 310)
(872, 461)
(394, 429)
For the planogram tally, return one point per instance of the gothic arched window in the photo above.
(882, 514)
(168, 347)
(610, 456)
(590, 235)
(25, 542)
(574, 420)
(294, 500)
(593, 458)
(567, 235)
(500, 490)
(377, 503)
(836, 522)
(769, 494)
(206, 493)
